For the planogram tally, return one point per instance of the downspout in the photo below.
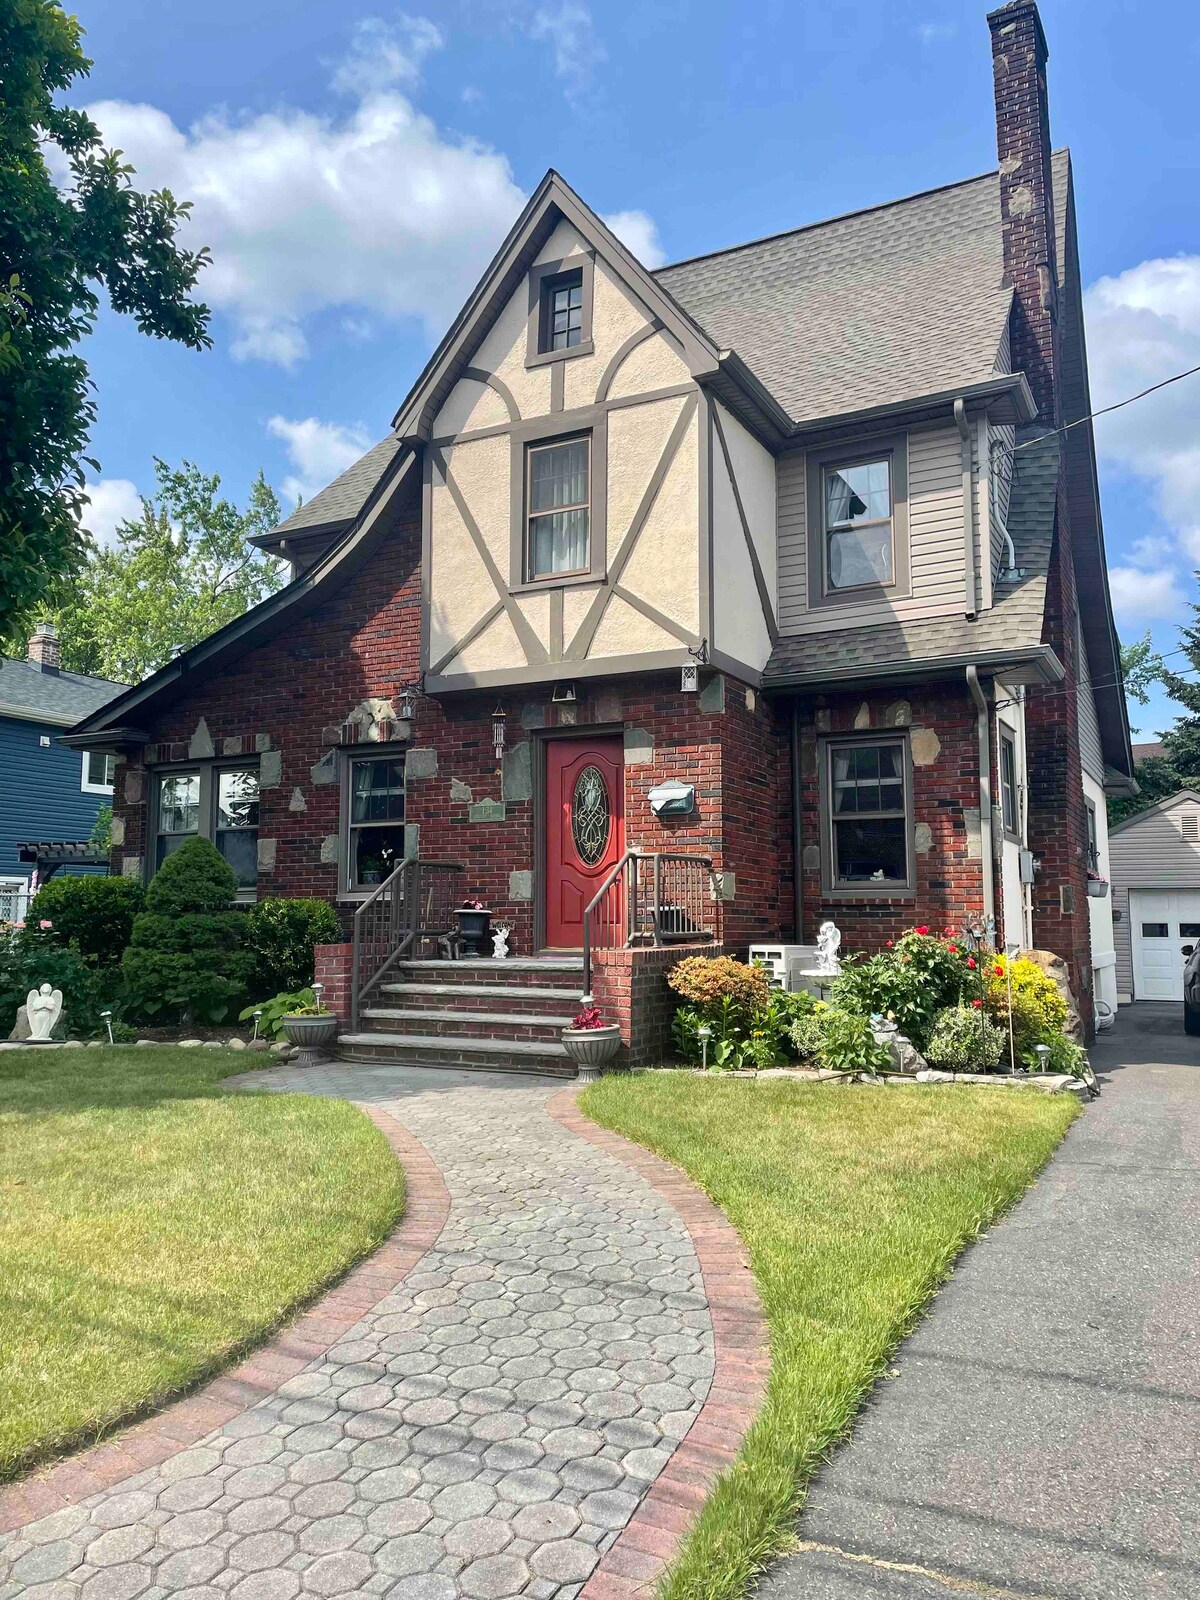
(983, 724)
(968, 498)
(797, 827)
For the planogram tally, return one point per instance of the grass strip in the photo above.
(154, 1227)
(853, 1204)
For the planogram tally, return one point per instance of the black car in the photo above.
(1191, 990)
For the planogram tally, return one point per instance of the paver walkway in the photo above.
(1041, 1440)
(486, 1430)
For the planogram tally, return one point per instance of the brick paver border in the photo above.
(632, 1565)
(291, 1350)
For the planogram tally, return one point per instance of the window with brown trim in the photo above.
(857, 514)
(558, 506)
(868, 818)
(1009, 810)
(561, 318)
(216, 801)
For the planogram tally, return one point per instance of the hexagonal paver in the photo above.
(483, 1432)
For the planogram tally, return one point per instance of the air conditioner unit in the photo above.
(781, 960)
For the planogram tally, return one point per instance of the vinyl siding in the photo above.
(1090, 752)
(1001, 440)
(935, 531)
(40, 794)
(1151, 853)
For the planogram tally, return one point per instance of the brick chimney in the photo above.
(1026, 195)
(44, 650)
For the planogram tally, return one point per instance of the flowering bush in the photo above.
(1039, 1012)
(747, 1019)
(917, 976)
(962, 1039)
(707, 980)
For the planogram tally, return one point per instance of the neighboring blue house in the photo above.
(47, 792)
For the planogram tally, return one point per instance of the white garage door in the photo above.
(1164, 925)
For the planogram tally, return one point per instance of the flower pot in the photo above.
(473, 929)
(591, 1048)
(1097, 888)
(313, 1034)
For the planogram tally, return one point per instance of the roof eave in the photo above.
(1031, 664)
(1006, 395)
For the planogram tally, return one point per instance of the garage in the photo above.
(1165, 928)
(1154, 866)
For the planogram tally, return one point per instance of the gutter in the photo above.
(968, 495)
(797, 826)
(983, 723)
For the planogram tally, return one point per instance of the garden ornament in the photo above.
(43, 1007)
(500, 943)
(829, 942)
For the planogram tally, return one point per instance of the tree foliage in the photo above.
(1141, 666)
(178, 572)
(70, 221)
(1179, 765)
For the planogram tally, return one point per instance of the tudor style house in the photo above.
(710, 601)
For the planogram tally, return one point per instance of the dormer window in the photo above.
(560, 310)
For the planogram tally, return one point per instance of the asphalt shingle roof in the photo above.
(902, 300)
(28, 692)
(1013, 623)
(344, 498)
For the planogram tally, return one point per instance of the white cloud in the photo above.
(111, 501)
(638, 231)
(374, 210)
(934, 32)
(318, 451)
(1140, 595)
(569, 30)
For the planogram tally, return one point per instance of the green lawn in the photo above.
(153, 1227)
(853, 1203)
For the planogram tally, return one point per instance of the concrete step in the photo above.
(551, 972)
(483, 1055)
(499, 1025)
(497, 1000)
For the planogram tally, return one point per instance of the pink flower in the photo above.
(18, 924)
(949, 931)
(923, 929)
(953, 949)
(890, 943)
(45, 923)
(977, 1004)
(971, 962)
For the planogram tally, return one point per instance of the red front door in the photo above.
(585, 829)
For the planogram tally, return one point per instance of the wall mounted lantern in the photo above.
(406, 705)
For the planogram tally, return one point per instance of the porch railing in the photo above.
(412, 907)
(665, 898)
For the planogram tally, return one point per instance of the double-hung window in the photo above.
(1093, 840)
(558, 506)
(375, 819)
(868, 816)
(858, 524)
(98, 769)
(211, 801)
(1009, 809)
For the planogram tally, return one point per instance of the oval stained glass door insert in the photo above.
(591, 815)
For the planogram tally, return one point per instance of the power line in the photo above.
(1104, 410)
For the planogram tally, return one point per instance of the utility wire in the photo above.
(1104, 410)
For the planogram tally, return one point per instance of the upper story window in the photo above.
(1008, 783)
(562, 311)
(98, 769)
(210, 801)
(558, 506)
(857, 514)
(858, 524)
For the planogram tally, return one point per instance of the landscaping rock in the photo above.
(213, 1044)
(237, 1044)
(187, 1044)
(932, 1076)
(74, 1044)
(259, 1044)
(282, 1048)
(147, 1041)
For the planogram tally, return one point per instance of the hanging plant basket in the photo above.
(1097, 888)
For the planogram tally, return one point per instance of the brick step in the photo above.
(514, 999)
(499, 1025)
(556, 972)
(481, 1055)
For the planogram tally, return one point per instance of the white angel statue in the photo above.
(500, 943)
(43, 1007)
(829, 942)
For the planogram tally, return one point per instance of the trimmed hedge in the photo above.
(280, 935)
(93, 913)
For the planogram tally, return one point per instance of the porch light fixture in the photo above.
(689, 678)
(499, 720)
(406, 705)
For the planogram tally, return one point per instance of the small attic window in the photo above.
(560, 310)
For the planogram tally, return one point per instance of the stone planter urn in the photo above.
(314, 1034)
(591, 1048)
(474, 928)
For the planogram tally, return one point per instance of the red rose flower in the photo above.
(922, 929)
(977, 1004)
(953, 949)
(890, 943)
(999, 970)
(971, 962)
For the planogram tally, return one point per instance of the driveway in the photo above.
(1040, 1436)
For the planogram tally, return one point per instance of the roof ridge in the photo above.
(842, 216)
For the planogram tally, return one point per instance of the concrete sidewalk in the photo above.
(1042, 1435)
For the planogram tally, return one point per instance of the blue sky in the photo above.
(354, 165)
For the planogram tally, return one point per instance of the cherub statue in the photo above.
(43, 1007)
(829, 942)
(500, 943)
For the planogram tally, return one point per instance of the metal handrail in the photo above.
(667, 922)
(402, 924)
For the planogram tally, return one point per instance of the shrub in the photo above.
(919, 976)
(1065, 1056)
(28, 958)
(93, 913)
(280, 935)
(807, 1029)
(1039, 1011)
(963, 1039)
(707, 980)
(185, 954)
(848, 1045)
